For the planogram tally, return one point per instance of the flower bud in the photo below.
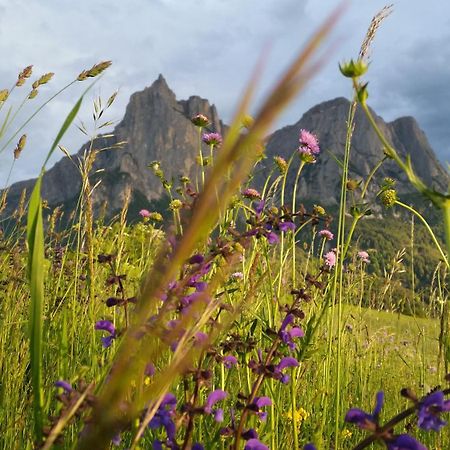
(388, 197)
(200, 120)
(353, 69)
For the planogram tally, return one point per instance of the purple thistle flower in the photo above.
(144, 213)
(308, 143)
(229, 361)
(327, 234)
(330, 259)
(106, 325)
(255, 444)
(200, 120)
(364, 257)
(64, 385)
(252, 194)
(430, 408)
(405, 442)
(213, 398)
(213, 139)
(364, 420)
(237, 276)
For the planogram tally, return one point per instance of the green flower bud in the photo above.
(319, 210)
(388, 197)
(353, 69)
(281, 163)
(175, 204)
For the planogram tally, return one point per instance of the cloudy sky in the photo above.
(209, 48)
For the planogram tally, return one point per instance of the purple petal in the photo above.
(196, 259)
(287, 320)
(213, 398)
(296, 332)
(405, 442)
(105, 325)
(286, 226)
(107, 341)
(358, 417)
(262, 401)
(309, 447)
(229, 361)
(255, 444)
(379, 403)
(250, 434)
(218, 415)
(287, 361)
(272, 238)
(198, 446)
(64, 385)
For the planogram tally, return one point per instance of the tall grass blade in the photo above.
(36, 277)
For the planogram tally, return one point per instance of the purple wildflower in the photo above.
(286, 226)
(213, 139)
(430, 408)
(229, 361)
(163, 418)
(364, 257)
(64, 385)
(215, 396)
(287, 361)
(252, 194)
(106, 325)
(288, 335)
(144, 213)
(197, 446)
(237, 276)
(308, 143)
(309, 447)
(196, 259)
(330, 259)
(255, 444)
(260, 402)
(364, 420)
(272, 238)
(405, 442)
(327, 234)
(250, 434)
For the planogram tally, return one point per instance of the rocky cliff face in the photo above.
(320, 182)
(157, 127)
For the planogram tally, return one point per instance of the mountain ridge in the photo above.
(157, 126)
